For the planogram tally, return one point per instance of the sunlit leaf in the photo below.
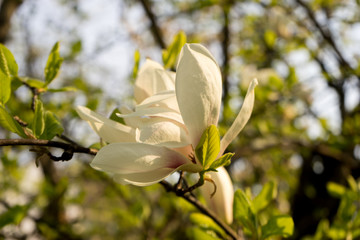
(8, 64)
(264, 198)
(35, 83)
(170, 55)
(13, 215)
(8, 122)
(53, 64)
(278, 226)
(206, 223)
(335, 189)
(38, 124)
(208, 147)
(63, 89)
(52, 126)
(224, 160)
(243, 212)
(136, 64)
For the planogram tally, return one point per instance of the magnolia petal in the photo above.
(241, 119)
(162, 99)
(107, 129)
(152, 78)
(222, 202)
(130, 158)
(150, 112)
(198, 90)
(144, 178)
(164, 133)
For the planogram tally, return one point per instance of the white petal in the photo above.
(241, 119)
(107, 129)
(198, 90)
(155, 112)
(130, 158)
(144, 178)
(163, 99)
(222, 202)
(164, 133)
(152, 78)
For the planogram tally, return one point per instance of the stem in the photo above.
(69, 148)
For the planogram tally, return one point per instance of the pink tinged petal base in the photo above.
(222, 202)
(109, 130)
(139, 159)
(198, 89)
(241, 119)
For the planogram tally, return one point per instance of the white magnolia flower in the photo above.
(172, 112)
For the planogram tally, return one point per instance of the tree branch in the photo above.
(155, 29)
(326, 35)
(69, 149)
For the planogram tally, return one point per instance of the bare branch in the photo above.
(155, 29)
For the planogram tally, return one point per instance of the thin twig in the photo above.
(68, 148)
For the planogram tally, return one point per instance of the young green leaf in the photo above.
(208, 147)
(170, 55)
(282, 225)
(224, 160)
(8, 122)
(206, 223)
(243, 212)
(53, 64)
(136, 64)
(38, 124)
(5, 89)
(8, 69)
(35, 83)
(267, 194)
(8, 64)
(13, 215)
(52, 126)
(335, 189)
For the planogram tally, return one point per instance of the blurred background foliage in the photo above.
(304, 133)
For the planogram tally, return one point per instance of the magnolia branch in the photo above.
(69, 149)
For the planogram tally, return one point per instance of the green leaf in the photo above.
(136, 64)
(282, 225)
(224, 160)
(208, 147)
(198, 233)
(38, 124)
(36, 83)
(8, 122)
(170, 55)
(243, 212)
(52, 126)
(8, 64)
(206, 223)
(267, 194)
(335, 190)
(270, 38)
(53, 64)
(5, 89)
(63, 89)
(115, 118)
(13, 215)
(8, 69)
